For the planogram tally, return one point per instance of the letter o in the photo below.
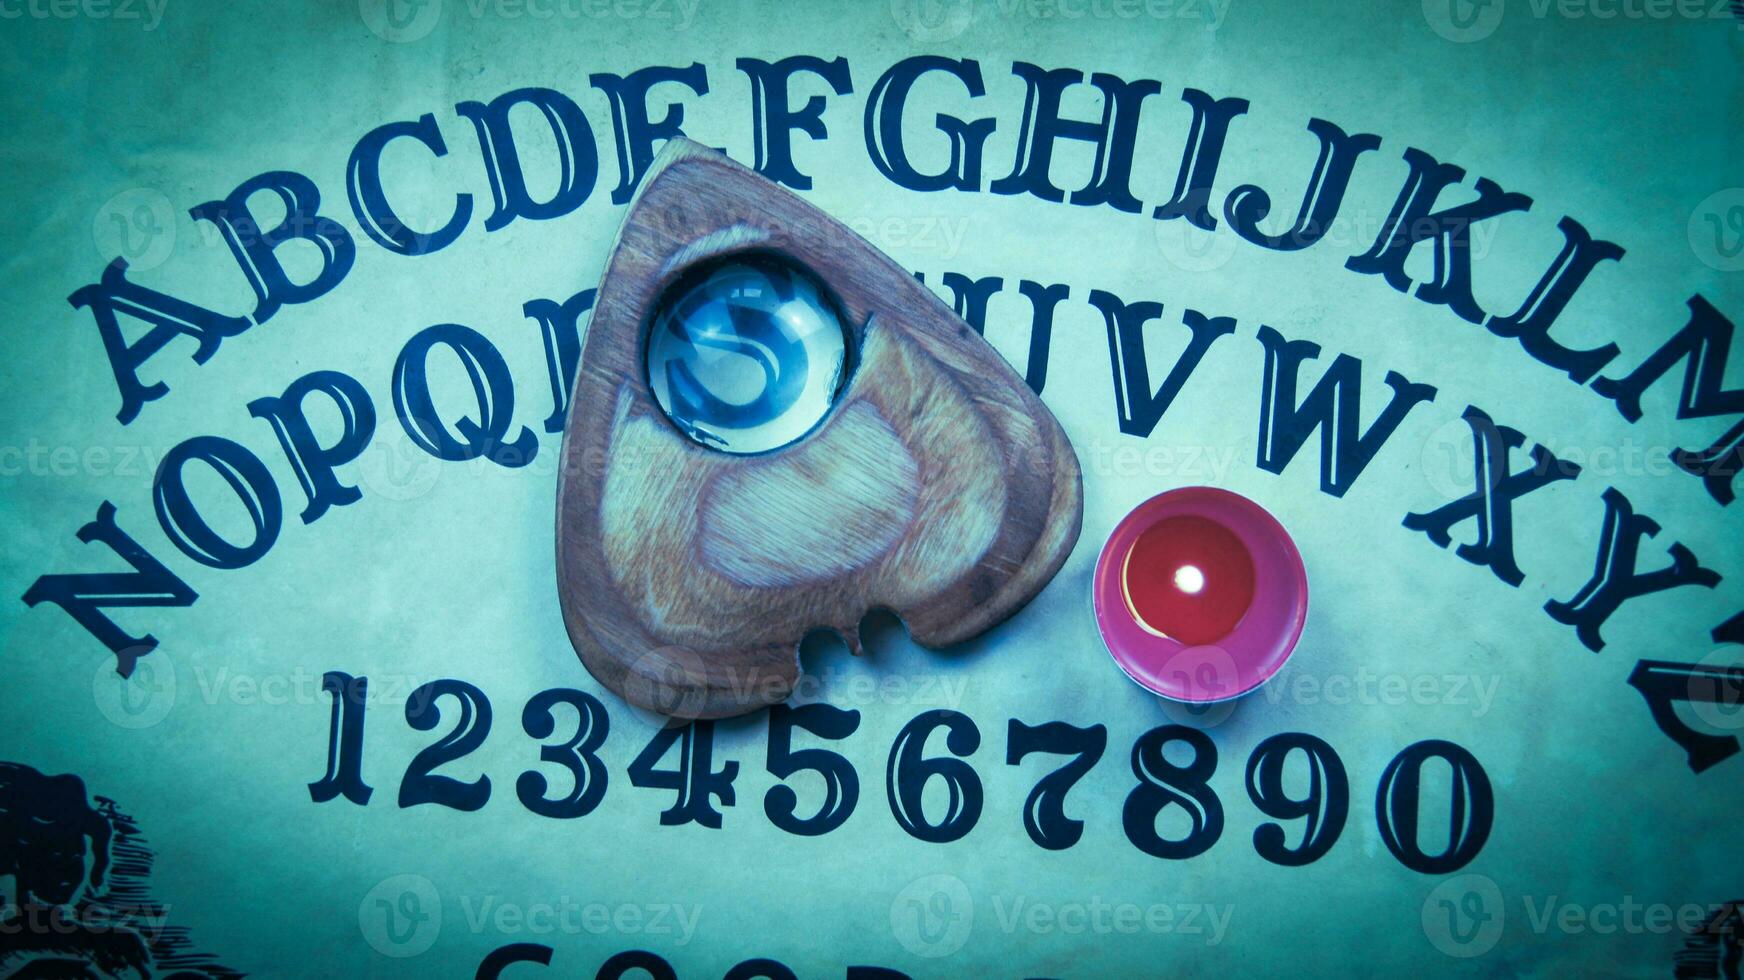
(245, 474)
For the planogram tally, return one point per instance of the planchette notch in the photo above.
(702, 533)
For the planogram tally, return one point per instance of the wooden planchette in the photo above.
(938, 486)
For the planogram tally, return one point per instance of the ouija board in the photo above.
(295, 295)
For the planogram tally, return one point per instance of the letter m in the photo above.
(1334, 407)
(85, 596)
(1704, 345)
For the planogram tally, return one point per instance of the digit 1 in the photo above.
(1397, 799)
(344, 740)
(694, 780)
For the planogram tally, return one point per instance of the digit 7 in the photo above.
(1044, 812)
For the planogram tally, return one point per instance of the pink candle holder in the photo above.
(1200, 595)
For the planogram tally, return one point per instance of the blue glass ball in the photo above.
(746, 354)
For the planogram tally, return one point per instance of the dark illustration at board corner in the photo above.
(81, 906)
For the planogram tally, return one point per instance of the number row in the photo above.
(698, 786)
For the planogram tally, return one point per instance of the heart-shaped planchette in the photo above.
(936, 485)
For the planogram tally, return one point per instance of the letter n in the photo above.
(84, 596)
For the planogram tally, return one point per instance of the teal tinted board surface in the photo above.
(353, 738)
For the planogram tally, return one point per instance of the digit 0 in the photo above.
(1397, 807)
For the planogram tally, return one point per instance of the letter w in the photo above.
(1334, 406)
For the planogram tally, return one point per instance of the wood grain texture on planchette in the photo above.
(938, 487)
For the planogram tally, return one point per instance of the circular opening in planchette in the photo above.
(746, 353)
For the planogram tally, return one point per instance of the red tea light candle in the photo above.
(1200, 595)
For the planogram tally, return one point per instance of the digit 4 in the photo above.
(694, 780)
